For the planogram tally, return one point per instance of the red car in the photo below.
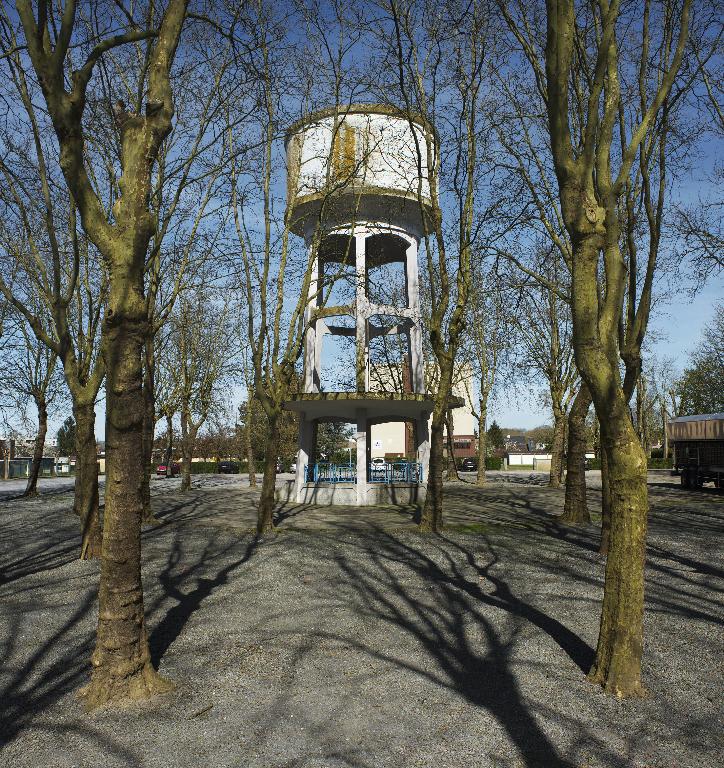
(161, 470)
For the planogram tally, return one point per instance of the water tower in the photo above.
(357, 180)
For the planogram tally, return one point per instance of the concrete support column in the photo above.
(361, 311)
(422, 433)
(304, 454)
(361, 437)
(417, 371)
(311, 358)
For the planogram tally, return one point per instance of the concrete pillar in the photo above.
(304, 454)
(311, 359)
(422, 431)
(361, 310)
(417, 370)
(361, 437)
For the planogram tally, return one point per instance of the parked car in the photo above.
(469, 465)
(229, 467)
(161, 470)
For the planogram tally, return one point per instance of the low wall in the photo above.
(345, 494)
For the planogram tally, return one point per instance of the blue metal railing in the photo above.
(396, 472)
(327, 472)
(387, 472)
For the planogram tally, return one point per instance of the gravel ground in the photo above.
(369, 645)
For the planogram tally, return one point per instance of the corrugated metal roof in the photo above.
(699, 417)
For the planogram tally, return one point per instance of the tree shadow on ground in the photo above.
(285, 510)
(56, 668)
(514, 507)
(175, 578)
(447, 622)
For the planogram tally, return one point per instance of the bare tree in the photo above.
(121, 661)
(29, 374)
(666, 391)
(198, 360)
(441, 55)
(50, 270)
(543, 331)
(272, 266)
(484, 349)
(583, 119)
(249, 410)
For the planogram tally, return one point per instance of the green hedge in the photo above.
(204, 467)
(491, 462)
(653, 463)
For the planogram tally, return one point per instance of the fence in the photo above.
(389, 472)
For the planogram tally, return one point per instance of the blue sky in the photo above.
(675, 327)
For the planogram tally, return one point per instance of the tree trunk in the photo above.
(169, 445)
(557, 448)
(482, 445)
(452, 467)
(432, 515)
(31, 489)
(617, 666)
(575, 509)
(86, 480)
(665, 433)
(121, 660)
(251, 460)
(620, 642)
(605, 500)
(265, 516)
(149, 423)
(187, 453)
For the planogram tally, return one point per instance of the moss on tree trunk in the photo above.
(432, 514)
(620, 642)
(617, 667)
(605, 499)
(557, 448)
(188, 441)
(249, 448)
(149, 423)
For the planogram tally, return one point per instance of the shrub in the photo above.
(659, 463)
(493, 462)
(204, 467)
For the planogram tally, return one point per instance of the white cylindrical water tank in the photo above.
(360, 162)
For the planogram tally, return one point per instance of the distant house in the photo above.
(516, 443)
